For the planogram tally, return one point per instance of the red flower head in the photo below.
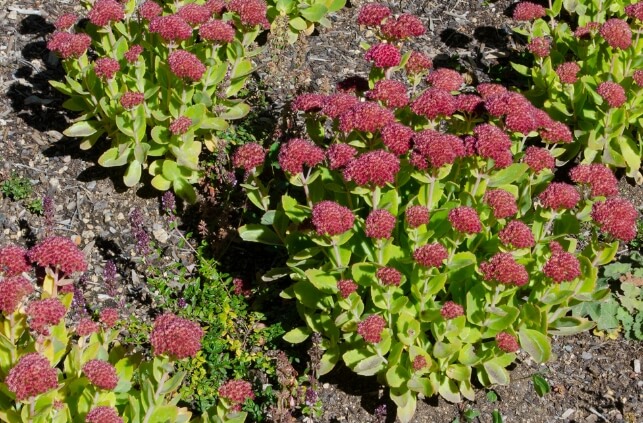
(109, 317)
(507, 342)
(418, 161)
(133, 53)
(186, 65)
(431, 255)
(13, 261)
(469, 103)
(470, 146)
(559, 195)
(638, 77)
(216, 7)
(517, 234)
(556, 132)
(176, 337)
(249, 156)
(339, 155)
(419, 362)
(103, 414)
(149, 10)
(418, 63)
(217, 31)
(129, 100)
(65, 21)
(371, 328)
(391, 93)
(58, 253)
(465, 219)
(384, 55)
(539, 159)
(403, 27)
(366, 117)
(635, 11)
(434, 102)
(251, 12)
(612, 93)
(330, 218)
(567, 72)
(44, 313)
(617, 33)
(86, 327)
(298, 152)
(451, 310)
(236, 391)
(194, 14)
(338, 104)
(598, 176)
(377, 167)
(562, 266)
(540, 46)
(617, 217)
(528, 11)
(502, 203)
(417, 216)
(523, 119)
(106, 67)
(503, 268)
(372, 14)
(12, 290)
(31, 376)
(101, 374)
(106, 11)
(488, 89)
(397, 137)
(309, 102)
(506, 102)
(346, 287)
(439, 149)
(380, 224)
(588, 30)
(446, 79)
(389, 276)
(69, 45)
(180, 125)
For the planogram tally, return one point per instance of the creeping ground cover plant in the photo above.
(428, 238)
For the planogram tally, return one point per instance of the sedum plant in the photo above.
(428, 241)
(156, 79)
(588, 73)
(301, 16)
(53, 370)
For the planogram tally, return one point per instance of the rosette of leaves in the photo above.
(303, 15)
(139, 136)
(605, 133)
(415, 346)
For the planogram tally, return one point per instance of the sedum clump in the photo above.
(429, 241)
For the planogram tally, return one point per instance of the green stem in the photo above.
(304, 183)
(12, 337)
(157, 395)
(338, 256)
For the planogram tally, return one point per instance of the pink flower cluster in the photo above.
(217, 31)
(13, 261)
(528, 11)
(561, 266)
(175, 336)
(338, 104)
(451, 310)
(249, 156)
(587, 30)
(517, 234)
(431, 255)
(376, 167)
(502, 203)
(539, 159)
(31, 376)
(402, 27)
(309, 102)
(251, 12)
(638, 77)
(391, 93)
(507, 342)
(58, 253)
(389, 276)
(106, 11)
(469, 103)
(330, 218)
(366, 117)
(103, 414)
(101, 374)
(567, 72)
(237, 392)
(617, 217)
(489, 89)
(434, 102)
(617, 33)
(86, 327)
(539, 46)
(69, 45)
(384, 55)
(371, 328)
(397, 137)
(106, 67)
(194, 14)
(446, 79)
(180, 125)
(130, 99)
(44, 313)
(417, 63)
(216, 7)
(598, 176)
(372, 14)
(439, 149)
(417, 216)
(12, 290)
(612, 93)
(65, 21)
(419, 362)
(493, 143)
(556, 132)
(465, 219)
(299, 152)
(133, 53)
(379, 224)
(109, 316)
(502, 267)
(149, 10)
(339, 155)
(635, 10)
(559, 196)
(186, 65)
(346, 287)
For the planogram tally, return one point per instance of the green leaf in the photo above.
(297, 335)
(323, 281)
(497, 374)
(164, 414)
(259, 233)
(508, 175)
(496, 417)
(540, 385)
(449, 390)
(570, 325)
(132, 174)
(406, 402)
(535, 343)
(237, 111)
(160, 183)
(298, 24)
(82, 129)
(111, 158)
(185, 190)
(396, 376)
(461, 260)
(369, 366)
(521, 69)
(314, 13)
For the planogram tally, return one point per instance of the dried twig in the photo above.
(26, 11)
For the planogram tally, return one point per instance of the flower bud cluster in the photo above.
(599, 177)
(503, 268)
(13, 261)
(249, 156)
(371, 328)
(299, 152)
(31, 376)
(431, 255)
(389, 276)
(616, 217)
(376, 167)
(330, 218)
(380, 224)
(101, 374)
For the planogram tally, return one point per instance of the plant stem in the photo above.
(12, 337)
(157, 394)
(550, 222)
(338, 256)
(304, 183)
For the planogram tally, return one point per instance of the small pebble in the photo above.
(91, 185)
(567, 413)
(586, 355)
(637, 366)
(568, 348)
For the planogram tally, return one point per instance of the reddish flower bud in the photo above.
(298, 152)
(493, 143)
(451, 310)
(528, 11)
(598, 176)
(522, 120)
(236, 391)
(371, 328)
(507, 342)
(31, 376)
(241, 287)
(638, 77)
(133, 53)
(419, 362)
(101, 374)
(149, 10)
(180, 125)
(106, 67)
(567, 72)
(562, 266)
(217, 31)
(434, 102)
(176, 337)
(502, 203)
(417, 216)
(69, 45)
(539, 159)
(391, 93)
(366, 117)
(249, 156)
(465, 219)
(405, 26)
(539, 46)
(251, 12)
(517, 234)
(587, 31)
(109, 316)
(440, 149)
(557, 132)
(417, 63)
(65, 21)
(612, 93)
(559, 195)
(12, 291)
(130, 100)
(13, 261)
(635, 11)
(346, 287)
(431, 255)
(446, 79)
(469, 103)
(617, 217)
(418, 161)
(338, 104)
(617, 33)
(215, 6)
(380, 224)
(103, 414)
(106, 11)
(377, 167)
(339, 155)
(58, 253)
(503, 268)
(506, 102)
(488, 89)
(397, 137)
(383, 55)
(309, 102)
(389, 276)
(86, 327)
(186, 65)
(44, 313)
(194, 14)
(330, 218)
(372, 14)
